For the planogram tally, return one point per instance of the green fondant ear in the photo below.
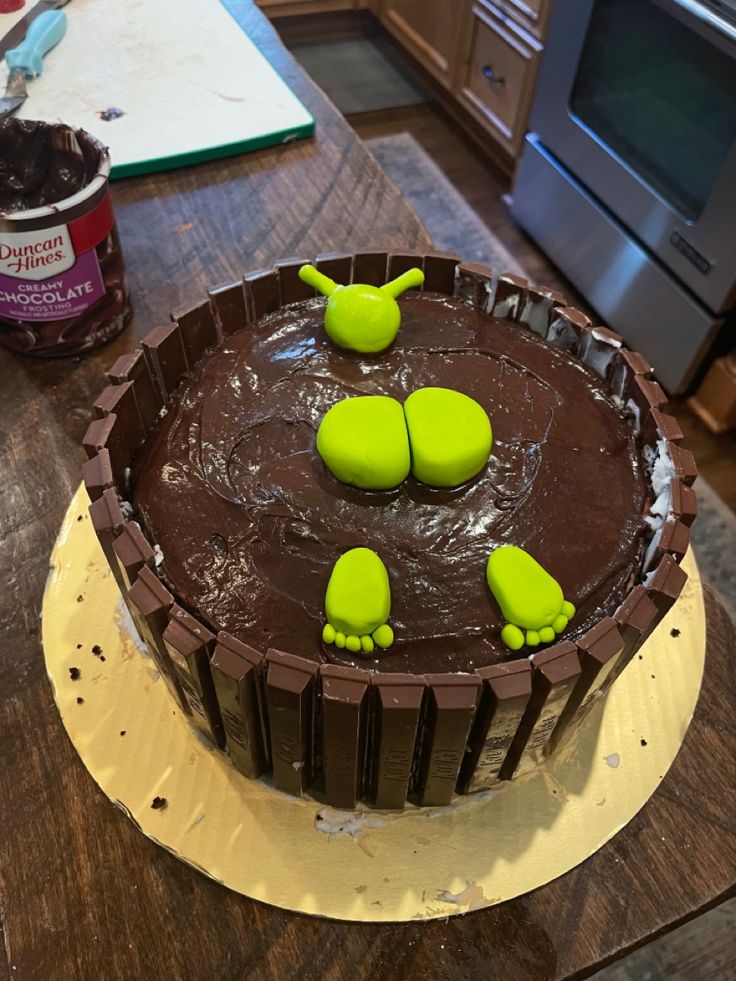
(450, 436)
(358, 602)
(363, 441)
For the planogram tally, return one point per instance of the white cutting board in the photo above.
(191, 83)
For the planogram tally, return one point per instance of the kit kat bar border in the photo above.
(134, 368)
(132, 551)
(262, 294)
(104, 434)
(626, 365)
(150, 602)
(337, 266)
(598, 348)
(238, 675)
(97, 475)
(637, 616)
(554, 674)
(474, 284)
(509, 297)
(401, 262)
(166, 358)
(291, 696)
(198, 329)
(439, 272)
(395, 708)
(108, 523)
(567, 329)
(120, 400)
(369, 267)
(505, 693)
(227, 303)
(291, 288)
(344, 696)
(450, 704)
(599, 651)
(190, 646)
(538, 305)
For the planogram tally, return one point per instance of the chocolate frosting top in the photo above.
(250, 521)
(43, 163)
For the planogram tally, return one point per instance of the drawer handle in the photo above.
(492, 77)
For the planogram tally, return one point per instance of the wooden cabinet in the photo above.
(286, 8)
(497, 79)
(430, 29)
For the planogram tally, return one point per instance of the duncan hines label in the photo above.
(53, 273)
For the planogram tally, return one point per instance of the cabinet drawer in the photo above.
(499, 76)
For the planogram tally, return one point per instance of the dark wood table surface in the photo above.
(83, 894)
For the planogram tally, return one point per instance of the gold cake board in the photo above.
(365, 865)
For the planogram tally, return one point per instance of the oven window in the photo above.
(660, 97)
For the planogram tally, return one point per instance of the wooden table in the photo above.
(82, 893)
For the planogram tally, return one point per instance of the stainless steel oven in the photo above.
(628, 176)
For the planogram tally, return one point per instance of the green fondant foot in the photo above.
(530, 599)
(357, 603)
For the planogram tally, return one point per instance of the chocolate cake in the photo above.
(222, 524)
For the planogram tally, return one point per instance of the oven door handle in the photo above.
(707, 16)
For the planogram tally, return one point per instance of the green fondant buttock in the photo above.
(529, 598)
(363, 441)
(450, 436)
(358, 603)
(361, 317)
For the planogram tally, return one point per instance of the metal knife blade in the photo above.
(26, 61)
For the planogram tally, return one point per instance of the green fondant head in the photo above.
(360, 317)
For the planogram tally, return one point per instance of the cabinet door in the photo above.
(430, 29)
(499, 75)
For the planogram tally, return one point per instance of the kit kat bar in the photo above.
(625, 367)
(198, 330)
(598, 348)
(166, 357)
(636, 618)
(672, 538)
(683, 502)
(600, 650)
(451, 703)
(396, 705)
(227, 302)
(104, 434)
(190, 646)
(344, 712)
(510, 296)
(370, 267)
(132, 552)
(120, 400)
(568, 326)
(554, 674)
(261, 290)
(291, 288)
(473, 284)
(439, 272)
(291, 690)
(684, 463)
(97, 474)
(401, 262)
(134, 368)
(149, 602)
(108, 522)
(665, 583)
(337, 266)
(537, 308)
(238, 674)
(504, 697)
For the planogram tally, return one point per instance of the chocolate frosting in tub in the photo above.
(250, 521)
(43, 163)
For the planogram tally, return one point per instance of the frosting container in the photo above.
(62, 280)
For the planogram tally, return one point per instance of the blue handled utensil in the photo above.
(26, 61)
